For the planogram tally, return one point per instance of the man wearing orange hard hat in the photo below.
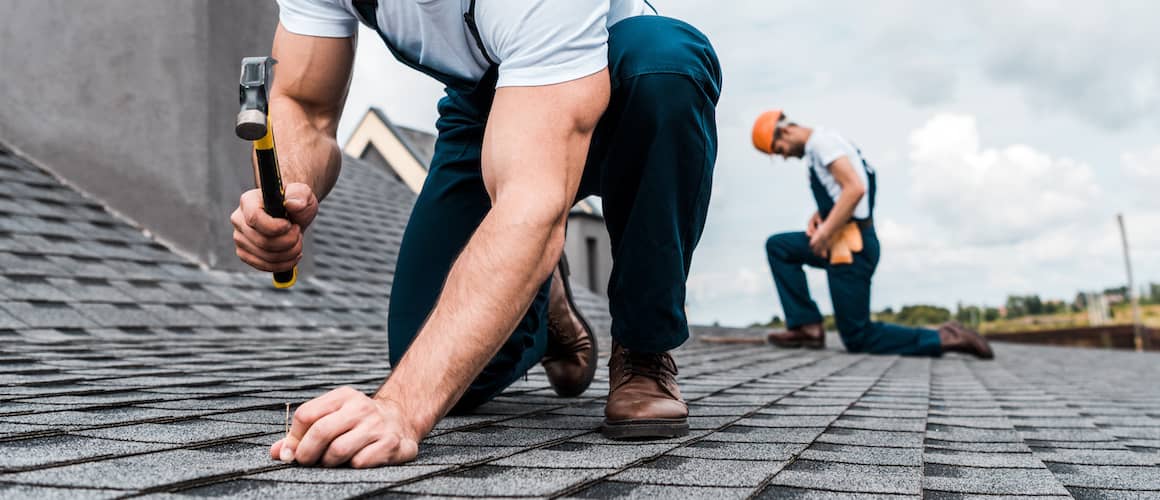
(839, 238)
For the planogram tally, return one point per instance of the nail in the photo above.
(286, 455)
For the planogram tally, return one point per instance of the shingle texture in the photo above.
(127, 370)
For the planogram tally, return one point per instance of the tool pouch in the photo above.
(848, 243)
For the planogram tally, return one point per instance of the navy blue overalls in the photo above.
(849, 285)
(650, 159)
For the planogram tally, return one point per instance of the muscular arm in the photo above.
(852, 192)
(310, 83)
(534, 151)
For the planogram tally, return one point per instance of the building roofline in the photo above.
(376, 130)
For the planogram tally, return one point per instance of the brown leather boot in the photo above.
(644, 401)
(570, 360)
(957, 338)
(811, 336)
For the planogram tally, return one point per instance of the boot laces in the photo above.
(657, 366)
(566, 346)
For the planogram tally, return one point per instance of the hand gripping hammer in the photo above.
(253, 124)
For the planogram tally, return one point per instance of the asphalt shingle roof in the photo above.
(127, 370)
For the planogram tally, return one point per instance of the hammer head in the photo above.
(257, 77)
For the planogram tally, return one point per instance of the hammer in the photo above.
(253, 124)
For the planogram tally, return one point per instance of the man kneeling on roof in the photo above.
(840, 238)
(546, 102)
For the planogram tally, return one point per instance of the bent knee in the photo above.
(777, 246)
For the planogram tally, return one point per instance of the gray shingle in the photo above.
(151, 470)
(809, 474)
(991, 481)
(488, 481)
(777, 491)
(249, 489)
(316, 475)
(583, 456)
(701, 472)
(57, 449)
(864, 455)
(503, 436)
(861, 437)
(616, 489)
(47, 314)
(180, 432)
(1140, 478)
(723, 450)
(21, 492)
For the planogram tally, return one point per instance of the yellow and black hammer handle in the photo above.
(253, 124)
(273, 193)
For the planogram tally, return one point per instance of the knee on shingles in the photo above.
(855, 341)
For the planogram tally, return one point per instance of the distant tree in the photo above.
(968, 314)
(1016, 306)
(775, 322)
(1054, 307)
(922, 315)
(1033, 304)
(1080, 302)
(1119, 290)
(990, 314)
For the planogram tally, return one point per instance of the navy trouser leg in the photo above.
(787, 253)
(652, 160)
(448, 210)
(850, 292)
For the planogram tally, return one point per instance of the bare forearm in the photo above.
(487, 292)
(843, 210)
(307, 153)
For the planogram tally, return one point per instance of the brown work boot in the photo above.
(957, 338)
(811, 336)
(644, 401)
(570, 360)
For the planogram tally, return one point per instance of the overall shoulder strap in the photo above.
(871, 177)
(367, 10)
(469, 18)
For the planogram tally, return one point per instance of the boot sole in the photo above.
(593, 356)
(652, 428)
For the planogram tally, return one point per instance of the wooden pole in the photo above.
(1139, 337)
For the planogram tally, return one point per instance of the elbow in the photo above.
(857, 192)
(540, 220)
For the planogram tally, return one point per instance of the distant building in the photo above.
(406, 154)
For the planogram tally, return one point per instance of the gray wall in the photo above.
(581, 228)
(133, 101)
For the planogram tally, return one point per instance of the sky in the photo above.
(1007, 136)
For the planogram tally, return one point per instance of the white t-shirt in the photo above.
(823, 148)
(535, 42)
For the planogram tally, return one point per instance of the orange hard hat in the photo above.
(763, 130)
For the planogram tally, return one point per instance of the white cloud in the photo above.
(1084, 60)
(710, 286)
(1142, 165)
(993, 195)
